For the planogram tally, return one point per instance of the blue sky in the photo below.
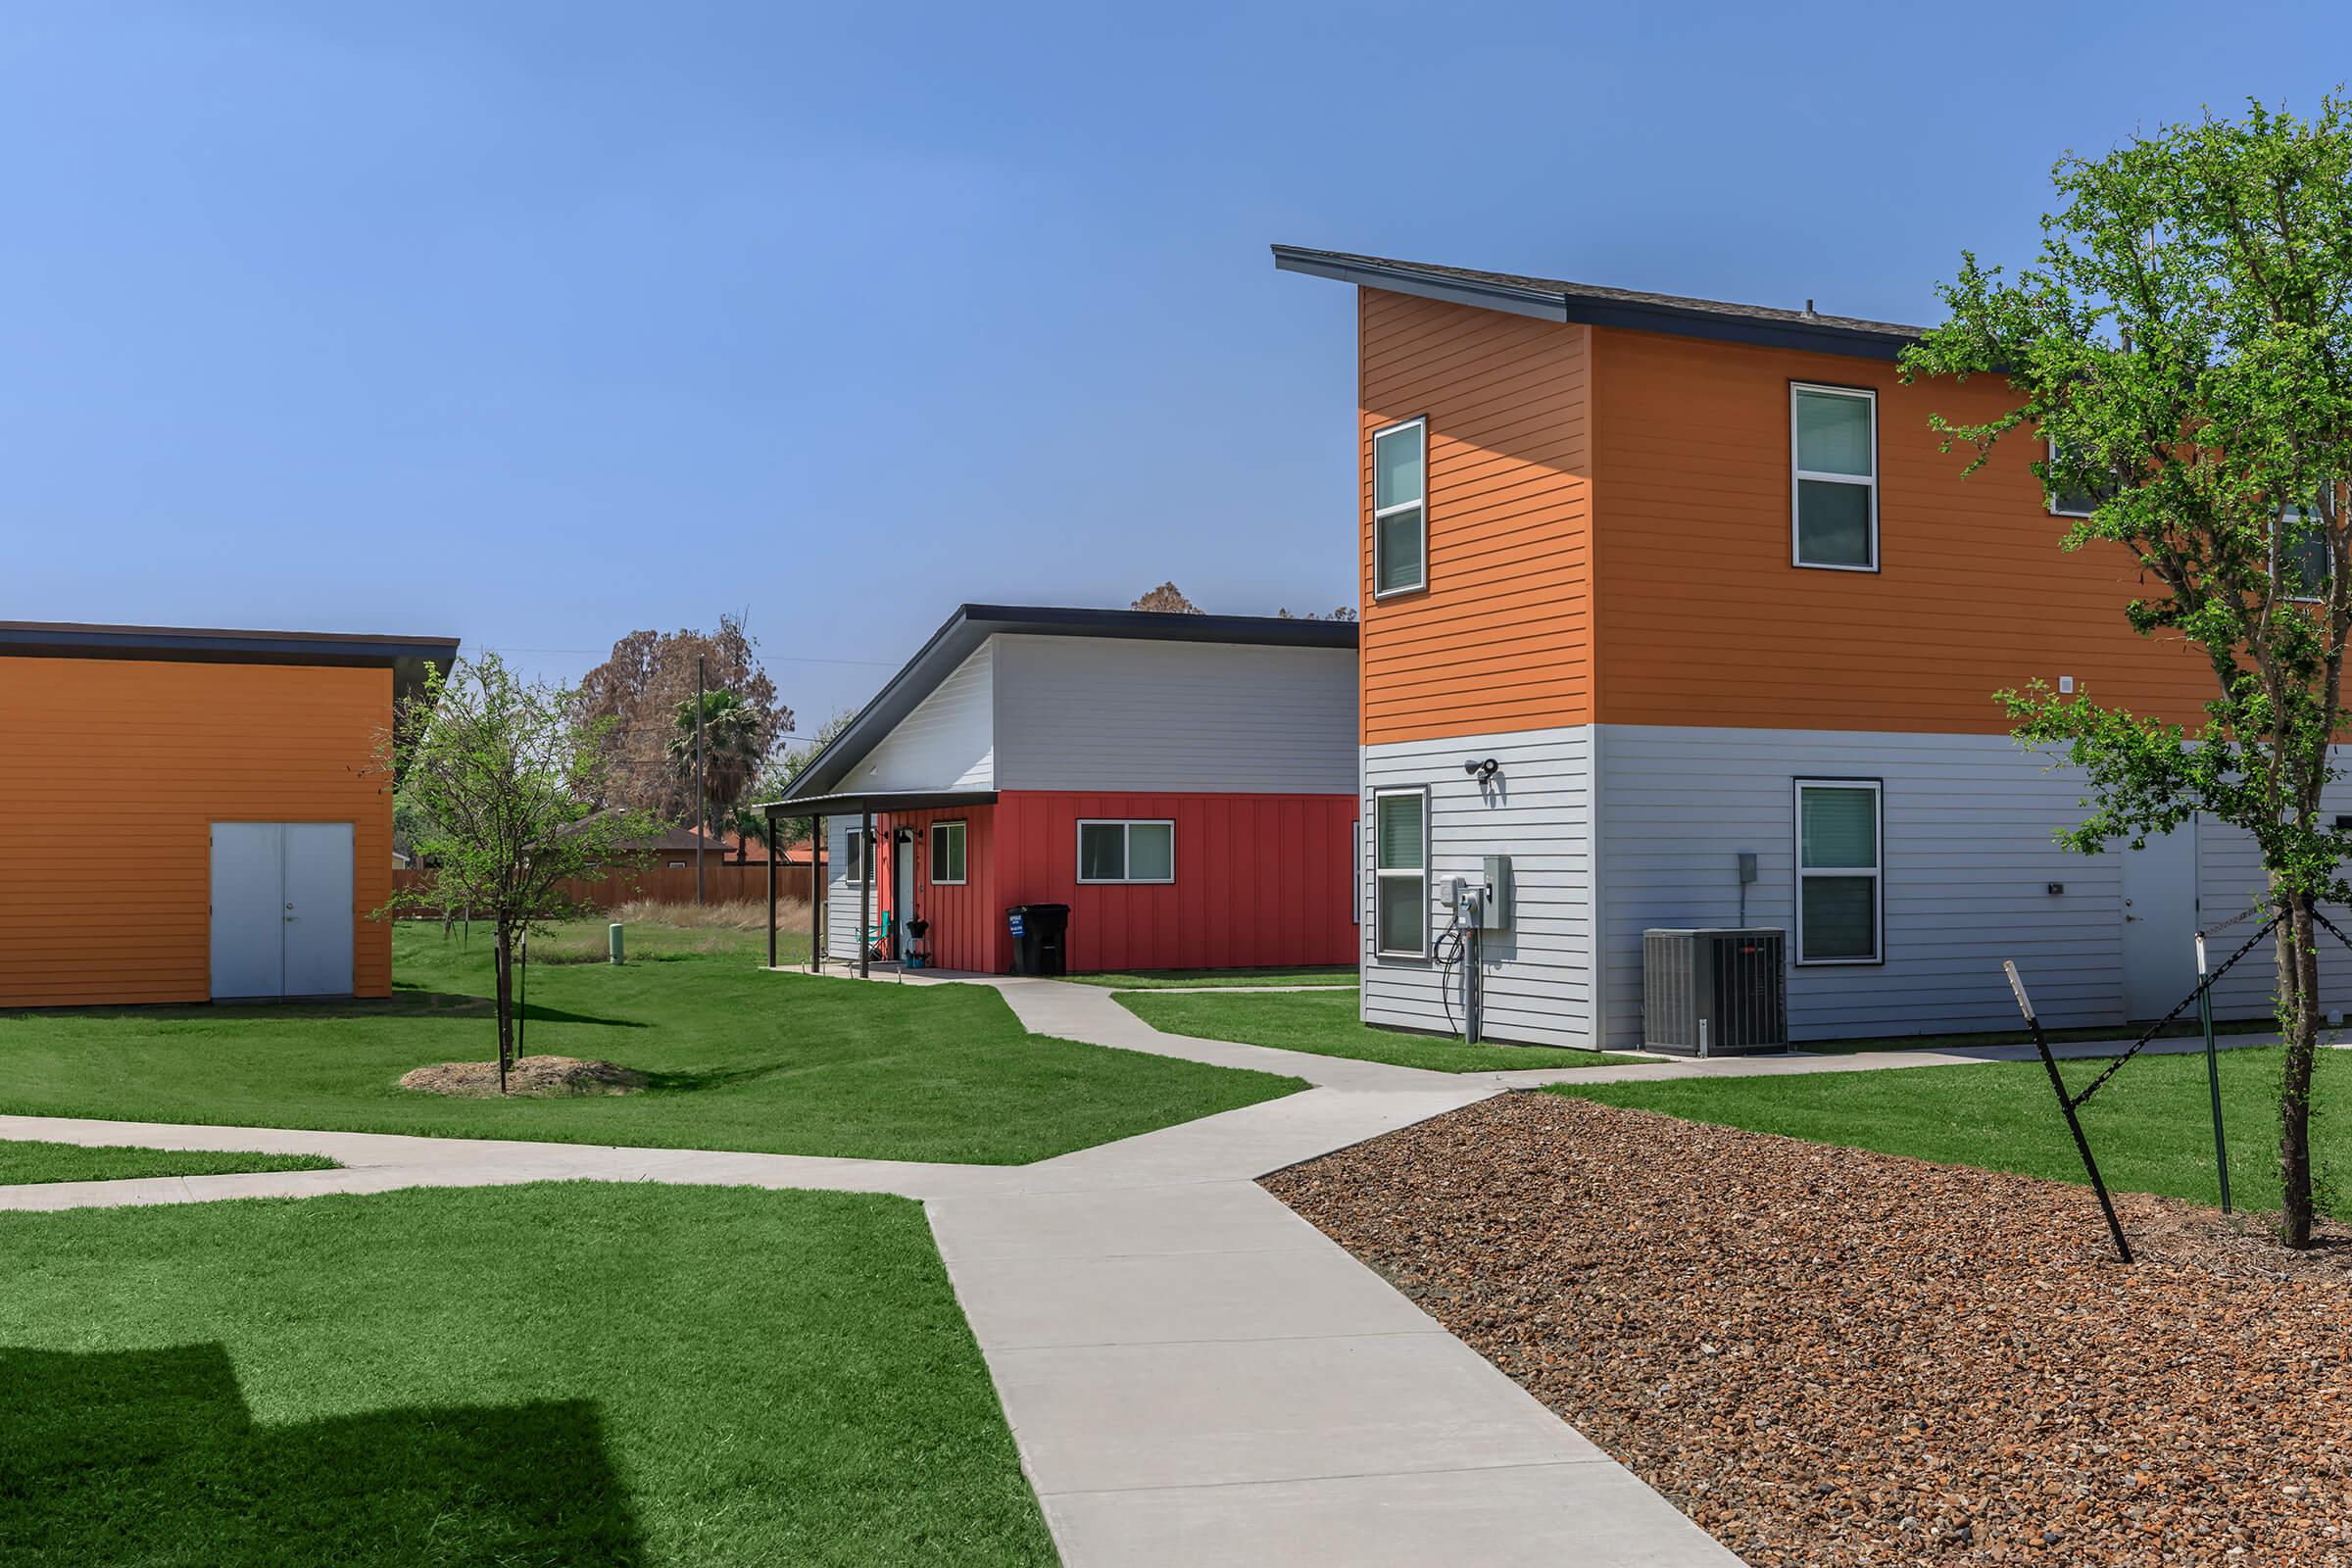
(538, 323)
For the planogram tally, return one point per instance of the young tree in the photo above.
(2185, 345)
(776, 778)
(501, 774)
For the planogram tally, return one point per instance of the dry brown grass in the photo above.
(748, 915)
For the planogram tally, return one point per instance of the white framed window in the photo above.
(853, 856)
(2299, 544)
(1400, 872)
(1840, 871)
(1834, 495)
(1400, 508)
(947, 855)
(1117, 850)
(2068, 503)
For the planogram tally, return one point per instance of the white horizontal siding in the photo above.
(948, 742)
(1968, 856)
(1537, 974)
(840, 894)
(1123, 713)
(2230, 883)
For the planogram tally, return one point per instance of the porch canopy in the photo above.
(863, 804)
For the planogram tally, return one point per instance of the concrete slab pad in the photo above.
(1122, 1417)
(1024, 1304)
(1592, 1515)
(1118, 1222)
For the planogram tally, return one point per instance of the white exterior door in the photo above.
(248, 889)
(901, 897)
(282, 909)
(2160, 923)
(318, 923)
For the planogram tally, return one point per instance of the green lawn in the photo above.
(24, 1161)
(1324, 1024)
(1193, 979)
(738, 1059)
(549, 1375)
(2151, 1127)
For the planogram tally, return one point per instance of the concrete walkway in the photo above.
(1192, 1372)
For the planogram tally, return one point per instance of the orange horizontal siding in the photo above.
(1708, 623)
(112, 772)
(1501, 638)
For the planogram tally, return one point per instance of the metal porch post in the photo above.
(772, 848)
(865, 891)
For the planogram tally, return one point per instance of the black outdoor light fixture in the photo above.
(1482, 768)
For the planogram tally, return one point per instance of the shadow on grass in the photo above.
(150, 1456)
(405, 1002)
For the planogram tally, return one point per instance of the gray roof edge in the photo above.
(973, 624)
(208, 643)
(1719, 321)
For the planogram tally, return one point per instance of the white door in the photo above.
(248, 889)
(282, 909)
(902, 881)
(318, 923)
(2160, 923)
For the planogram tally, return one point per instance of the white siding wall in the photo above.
(841, 897)
(947, 743)
(2229, 881)
(1537, 974)
(1112, 713)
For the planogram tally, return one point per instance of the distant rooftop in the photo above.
(1555, 298)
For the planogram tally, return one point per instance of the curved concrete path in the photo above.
(1192, 1372)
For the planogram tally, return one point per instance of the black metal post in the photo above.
(865, 891)
(2213, 1072)
(816, 906)
(2073, 1124)
(773, 850)
(702, 801)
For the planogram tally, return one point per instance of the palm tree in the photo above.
(731, 753)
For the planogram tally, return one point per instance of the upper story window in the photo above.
(2070, 503)
(1835, 433)
(947, 854)
(1400, 508)
(2299, 541)
(1127, 851)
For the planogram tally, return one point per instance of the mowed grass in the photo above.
(737, 1057)
(549, 1375)
(2151, 1127)
(1325, 1024)
(23, 1161)
(1344, 975)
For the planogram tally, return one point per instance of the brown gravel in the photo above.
(542, 1077)
(1828, 1356)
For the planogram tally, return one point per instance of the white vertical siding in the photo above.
(1537, 974)
(948, 742)
(1120, 714)
(1966, 857)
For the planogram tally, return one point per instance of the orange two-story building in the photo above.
(1679, 606)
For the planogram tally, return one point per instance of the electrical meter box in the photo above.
(1496, 913)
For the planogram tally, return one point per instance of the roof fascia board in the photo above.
(1542, 304)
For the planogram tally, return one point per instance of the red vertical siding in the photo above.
(1261, 880)
(967, 921)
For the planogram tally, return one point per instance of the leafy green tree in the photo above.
(2185, 344)
(500, 773)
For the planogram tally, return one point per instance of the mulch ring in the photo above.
(1826, 1356)
(541, 1077)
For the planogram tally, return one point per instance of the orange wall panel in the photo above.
(1705, 621)
(1502, 637)
(112, 772)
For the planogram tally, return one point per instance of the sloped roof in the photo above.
(1555, 298)
(973, 624)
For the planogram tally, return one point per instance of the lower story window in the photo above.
(1127, 851)
(853, 856)
(1839, 871)
(947, 854)
(1400, 872)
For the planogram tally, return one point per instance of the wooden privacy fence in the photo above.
(723, 882)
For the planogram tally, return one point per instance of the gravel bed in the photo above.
(1826, 1356)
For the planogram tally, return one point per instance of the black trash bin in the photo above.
(1039, 932)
